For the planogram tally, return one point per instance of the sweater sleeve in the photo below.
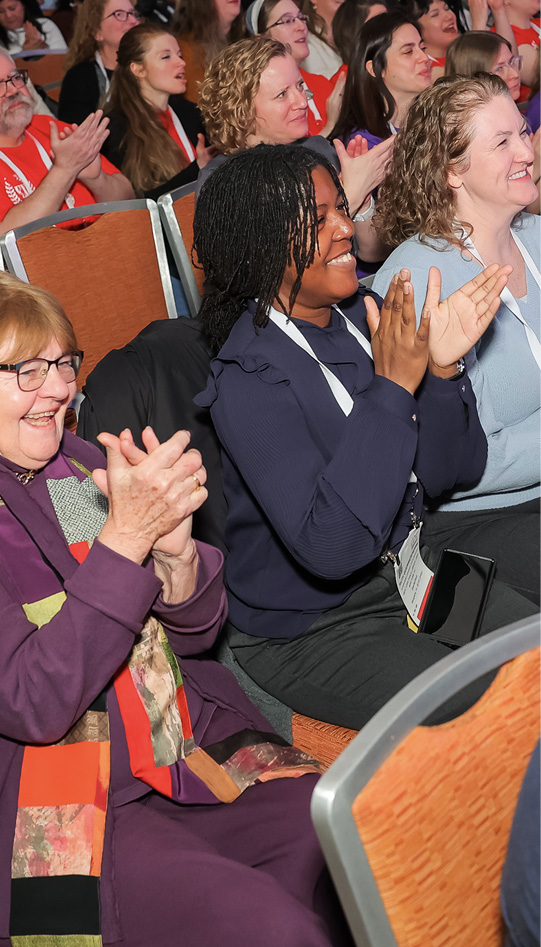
(51, 674)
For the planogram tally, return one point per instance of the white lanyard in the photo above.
(69, 198)
(507, 297)
(314, 110)
(535, 28)
(185, 141)
(103, 71)
(341, 395)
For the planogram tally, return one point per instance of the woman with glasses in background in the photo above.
(91, 60)
(284, 21)
(480, 51)
(22, 28)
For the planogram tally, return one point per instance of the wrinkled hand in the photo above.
(33, 38)
(362, 169)
(400, 350)
(458, 322)
(203, 153)
(76, 148)
(151, 495)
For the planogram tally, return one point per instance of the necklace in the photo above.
(26, 476)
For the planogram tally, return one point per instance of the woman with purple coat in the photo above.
(139, 799)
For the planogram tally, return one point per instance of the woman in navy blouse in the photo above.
(324, 406)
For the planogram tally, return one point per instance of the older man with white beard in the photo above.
(46, 166)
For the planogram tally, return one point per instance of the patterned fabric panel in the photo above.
(80, 507)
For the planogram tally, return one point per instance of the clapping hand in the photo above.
(458, 322)
(399, 348)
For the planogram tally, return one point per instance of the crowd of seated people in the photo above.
(361, 426)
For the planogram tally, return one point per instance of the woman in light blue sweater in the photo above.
(453, 198)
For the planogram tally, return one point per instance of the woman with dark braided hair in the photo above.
(323, 407)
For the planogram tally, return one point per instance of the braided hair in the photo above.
(254, 217)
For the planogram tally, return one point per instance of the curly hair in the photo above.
(83, 45)
(228, 91)
(254, 217)
(475, 51)
(416, 198)
(151, 155)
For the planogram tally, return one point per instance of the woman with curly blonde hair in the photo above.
(254, 93)
(91, 59)
(454, 198)
(203, 28)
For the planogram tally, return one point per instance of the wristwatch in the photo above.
(460, 369)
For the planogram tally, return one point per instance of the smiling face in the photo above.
(439, 28)
(407, 69)
(11, 14)
(280, 106)
(332, 275)
(162, 70)
(498, 179)
(32, 422)
(111, 30)
(295, 34)
(509, 74)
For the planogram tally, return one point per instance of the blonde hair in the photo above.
(29, 318)
(83, 44)
(415, 197)
(228, 91)
(475, 51)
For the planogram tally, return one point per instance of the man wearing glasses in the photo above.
(46, 166)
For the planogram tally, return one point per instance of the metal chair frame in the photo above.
(181, 253)
(337, 789)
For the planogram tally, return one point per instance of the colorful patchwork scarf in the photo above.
(62, 805)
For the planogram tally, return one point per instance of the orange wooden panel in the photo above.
(106, 276)
(184, 209)
(48, 68)
(435, 818)
(323, 741)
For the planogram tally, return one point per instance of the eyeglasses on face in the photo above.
(123, 15)
(17, 79)
(514, 63)
(32, 373)
(287, 20)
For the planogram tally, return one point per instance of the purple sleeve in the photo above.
(52, 674)
(192, 626)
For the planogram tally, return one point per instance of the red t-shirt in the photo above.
(322, 88)
(27, 158)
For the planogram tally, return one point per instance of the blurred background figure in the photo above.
(203, 28)
(22, 28)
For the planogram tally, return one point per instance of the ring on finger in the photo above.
(197, 483)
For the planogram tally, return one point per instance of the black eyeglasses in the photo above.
(32, 373)
(287, 20)
(17, 79)
(122, 15)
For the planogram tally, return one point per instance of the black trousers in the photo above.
(354, 658)
(509, 535)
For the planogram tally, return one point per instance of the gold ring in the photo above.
(197, 483)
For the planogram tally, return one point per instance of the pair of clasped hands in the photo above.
(153, 494)
(447, 330)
